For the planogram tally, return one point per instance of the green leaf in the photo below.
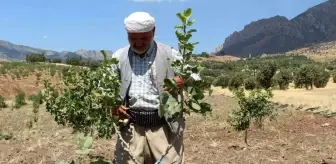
(195, 43)
(187, 12)
(114, 61)
(205, 107)
(180, 36)
(191, 22)
(164, 97)
(170, 83)
(100, 161)
(192, 30)
(187, 37)
(190, 89)
(198, 96)
(181, 17)
(179, 26)
(172, 108)
(195, 106)
(63, 162)
(83, 152)
(162, 110)
(85, 142)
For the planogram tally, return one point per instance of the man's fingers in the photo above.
(125, 114)
(123, 110)
(167, 89)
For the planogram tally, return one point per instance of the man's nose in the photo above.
(139, 43)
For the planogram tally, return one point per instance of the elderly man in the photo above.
(143, 65)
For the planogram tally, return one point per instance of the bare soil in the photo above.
(295, 136)
(317, 99)
(9, 88)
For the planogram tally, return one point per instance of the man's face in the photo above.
(141, 42)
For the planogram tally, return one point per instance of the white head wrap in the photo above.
(139, 22)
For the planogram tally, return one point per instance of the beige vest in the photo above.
(163, 56)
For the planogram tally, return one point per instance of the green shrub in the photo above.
(334, 77)
(208, 81)
(321, 77)
(283, 78)
(266, 73)
(2, 102)
(20, 100)
(236, 81)
(222, 81)
(330, 67)
(304, 76)
(38, 98)
(52, 72)
(250, 83)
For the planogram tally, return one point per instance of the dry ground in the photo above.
(320, 99)
(319, 52)
(9, 88)
(226, 58)
(294, 137)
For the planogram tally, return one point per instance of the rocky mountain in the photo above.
(10, 51)
(278, 34)
(216, 50)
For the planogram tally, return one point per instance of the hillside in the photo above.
(11, 51)
(319, 52)
(279, 34)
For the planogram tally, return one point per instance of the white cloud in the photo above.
(157, 0)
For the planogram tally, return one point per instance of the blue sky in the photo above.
(98, 24)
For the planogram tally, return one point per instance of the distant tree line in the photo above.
(276, 72)
(76, 61)
(36, 57)
(202, 54)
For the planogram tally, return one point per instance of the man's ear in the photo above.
(153, 31)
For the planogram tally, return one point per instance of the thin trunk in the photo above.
(245, 137)
(259, 122)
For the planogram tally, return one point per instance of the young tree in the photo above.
(255, 106)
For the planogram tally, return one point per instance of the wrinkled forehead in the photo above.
(140, 34)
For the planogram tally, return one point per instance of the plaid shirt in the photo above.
(143, 92)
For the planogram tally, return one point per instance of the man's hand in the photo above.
(178, 80)
(121, 112)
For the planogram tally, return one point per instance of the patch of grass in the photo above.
(6, 136)
(20, 100)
